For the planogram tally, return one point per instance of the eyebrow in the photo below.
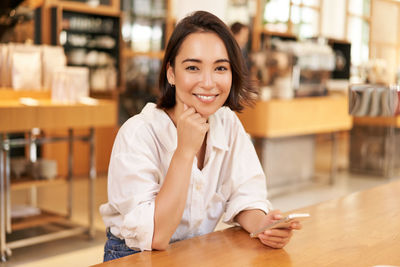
(199, 61)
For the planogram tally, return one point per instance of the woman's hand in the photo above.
(192, 128)
(277, 238)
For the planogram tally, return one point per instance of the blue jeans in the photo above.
(116, 248)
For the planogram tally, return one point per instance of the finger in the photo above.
(296, 226)
(185, 107)
(206, 127)
(195, 116)
(275, 214)
(200, 119)
(188, 112)
(273, 244)
(275, 239)
(272, 212)
(279, 232)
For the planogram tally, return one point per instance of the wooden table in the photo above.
(16, 117)
(361, 229)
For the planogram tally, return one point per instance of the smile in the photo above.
(206, 98)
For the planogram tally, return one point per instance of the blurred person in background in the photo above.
(241, 33)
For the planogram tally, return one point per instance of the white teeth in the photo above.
(205, 97)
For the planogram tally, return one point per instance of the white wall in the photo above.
(183, 7)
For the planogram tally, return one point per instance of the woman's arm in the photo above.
(171, 200)
(252, 220)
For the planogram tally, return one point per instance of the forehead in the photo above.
(203, 45)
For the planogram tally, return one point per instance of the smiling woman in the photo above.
(177, 167)
(202, 75)
(242, 91)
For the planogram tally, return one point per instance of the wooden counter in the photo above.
(48, 115)
(361, 229)
(55, 119)
(16, 117)
(298, 116)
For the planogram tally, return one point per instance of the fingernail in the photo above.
(268, 232)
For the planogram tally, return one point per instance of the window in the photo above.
(296, 17)
(276, 15)
(358, 24)
(305, 21)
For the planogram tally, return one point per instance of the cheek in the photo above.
(227, 84)
(186, 82)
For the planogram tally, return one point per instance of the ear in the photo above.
(170, 74)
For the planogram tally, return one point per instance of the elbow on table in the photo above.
(159, 244)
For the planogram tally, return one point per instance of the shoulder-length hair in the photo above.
(242, 90)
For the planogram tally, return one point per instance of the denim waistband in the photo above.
(111, 236)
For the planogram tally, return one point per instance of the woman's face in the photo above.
(202, 74)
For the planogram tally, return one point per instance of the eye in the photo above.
(221, 68)
(192, 68)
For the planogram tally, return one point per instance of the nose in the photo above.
(208, 80)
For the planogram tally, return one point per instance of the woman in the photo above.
(177, 167)
(241, 34)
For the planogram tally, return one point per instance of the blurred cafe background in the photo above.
(73, 71)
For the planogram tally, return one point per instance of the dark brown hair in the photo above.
(237, 27)
(242, 90)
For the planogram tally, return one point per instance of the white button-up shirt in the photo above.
(231, 180)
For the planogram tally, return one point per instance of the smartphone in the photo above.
(282, 223)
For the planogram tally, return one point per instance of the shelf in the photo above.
(88, 66)
(85, 8)
(103, 49)
(37, 220)
(147, 17)
(109, 94)
(129, 53)
(93, 23)
(25, 183)
(78, 31)
(278, 34)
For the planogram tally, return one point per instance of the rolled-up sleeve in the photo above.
(133, 184)
(247, 181)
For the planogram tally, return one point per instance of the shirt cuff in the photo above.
(138, 227)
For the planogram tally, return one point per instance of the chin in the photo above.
(207, 113)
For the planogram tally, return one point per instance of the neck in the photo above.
(171, 115)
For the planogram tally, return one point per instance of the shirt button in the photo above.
(199, 187)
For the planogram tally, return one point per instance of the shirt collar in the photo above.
(168, 137)
(218, 137)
